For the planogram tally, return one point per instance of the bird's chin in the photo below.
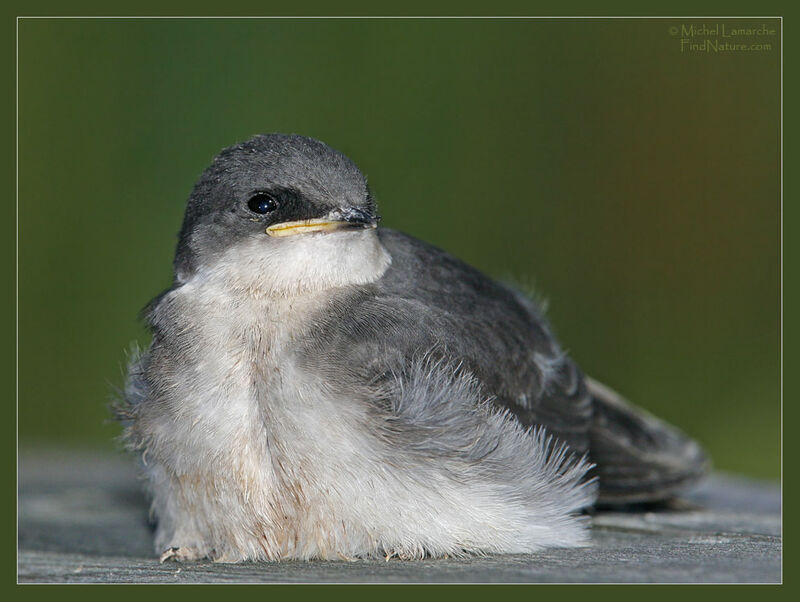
(320, 225)
(264, 266)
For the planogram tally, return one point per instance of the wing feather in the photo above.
(430, 303)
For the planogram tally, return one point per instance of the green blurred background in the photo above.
(635, 185)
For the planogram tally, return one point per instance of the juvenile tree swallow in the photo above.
(318, 387)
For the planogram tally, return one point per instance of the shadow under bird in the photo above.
(318, 387)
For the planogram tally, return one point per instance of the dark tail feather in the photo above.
(639, 458)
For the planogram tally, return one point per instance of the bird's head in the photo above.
(281, 213)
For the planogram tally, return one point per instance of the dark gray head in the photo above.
(272, 186)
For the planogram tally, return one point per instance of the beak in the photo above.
(338, 219)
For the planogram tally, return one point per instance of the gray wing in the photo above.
(429, 302)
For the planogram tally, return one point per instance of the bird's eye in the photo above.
(262, 203)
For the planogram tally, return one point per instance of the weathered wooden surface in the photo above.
(83, 518)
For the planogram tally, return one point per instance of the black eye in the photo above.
(262, 203)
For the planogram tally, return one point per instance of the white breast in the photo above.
(243, 314)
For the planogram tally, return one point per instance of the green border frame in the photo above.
(785, 10)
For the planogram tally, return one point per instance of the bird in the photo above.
(318, 387)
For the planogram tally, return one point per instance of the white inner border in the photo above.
(308, 17)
